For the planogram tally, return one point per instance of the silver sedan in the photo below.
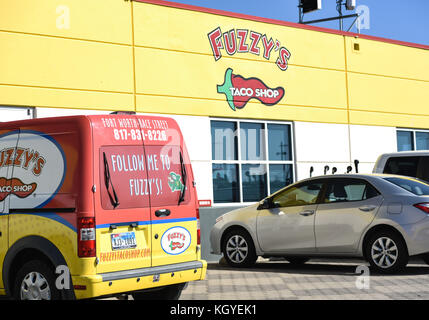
(381, 218)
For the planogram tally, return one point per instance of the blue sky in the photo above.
(405, 20)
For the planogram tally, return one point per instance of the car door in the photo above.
(287, 226)
(347, 207)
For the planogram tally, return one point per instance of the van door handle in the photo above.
(307, 212)
(162, 212)
(367, 208)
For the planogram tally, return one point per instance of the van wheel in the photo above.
(386, 252)
(238, 249)
(171, 292)
(35, 281)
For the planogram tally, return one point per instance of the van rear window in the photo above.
(405, 166)
(137, 177)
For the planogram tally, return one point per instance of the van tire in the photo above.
(35, 280)
(242, 242)
(171, 292)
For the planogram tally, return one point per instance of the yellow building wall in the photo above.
(137, 56)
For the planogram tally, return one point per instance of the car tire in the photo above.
(35, 280)
(238, 249)
(386, 252)
(171, 292)
(297, 261)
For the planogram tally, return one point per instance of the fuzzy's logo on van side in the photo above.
(38, 167)
(175, 240)
(239, 91)
(175, 182)
(16, 187)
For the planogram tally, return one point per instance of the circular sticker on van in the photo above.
(32, 168)
(175, 240)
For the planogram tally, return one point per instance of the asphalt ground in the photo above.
(315, 280)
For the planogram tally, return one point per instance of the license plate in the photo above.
(125, 240)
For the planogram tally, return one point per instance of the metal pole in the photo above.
(339, 9)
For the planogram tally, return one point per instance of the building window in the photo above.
(408, 140)
(250, 159)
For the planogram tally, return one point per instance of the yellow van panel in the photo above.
(388, 59)
(161, 257)
(101, 20)
(393, 95)
(62, 63)
(176, 30)
(179, 74)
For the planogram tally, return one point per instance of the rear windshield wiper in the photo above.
(108, 181)
(184, 178)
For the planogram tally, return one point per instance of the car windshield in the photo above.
(416, 187)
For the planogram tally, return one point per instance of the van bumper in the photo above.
(126, 281)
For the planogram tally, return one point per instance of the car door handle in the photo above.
(307, 212)
(162, 212)
(367, 208)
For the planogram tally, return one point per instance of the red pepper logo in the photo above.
(176, 245)
(16, 187)
(239, 91)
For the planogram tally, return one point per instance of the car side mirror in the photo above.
(265, 204)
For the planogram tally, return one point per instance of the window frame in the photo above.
(413, 131)
(265, 162)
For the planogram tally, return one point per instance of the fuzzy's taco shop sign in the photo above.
(238, 90)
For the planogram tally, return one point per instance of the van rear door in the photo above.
(121, 194)
(172, 194)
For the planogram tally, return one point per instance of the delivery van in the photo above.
(405, 163)
(96, 206)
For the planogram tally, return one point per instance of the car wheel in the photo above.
(171, 292)
(297, 260)
(35, 281)
(387, 252)
(238, 249)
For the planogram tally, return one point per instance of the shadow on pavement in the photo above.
(321, 267)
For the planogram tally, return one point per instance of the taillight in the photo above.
(198, 227)
(424, 206)
(86, 237)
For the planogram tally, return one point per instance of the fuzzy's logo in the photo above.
(25, 158)
(247, 41)
(175, 182)
(175, 240)
(176, 245)
(239, 91)
(31, 163)
(16, 187)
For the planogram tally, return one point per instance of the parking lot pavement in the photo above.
(317, 279)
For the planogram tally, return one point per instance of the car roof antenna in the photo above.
(325, 170)
(311, 170)
(356, 165)
(334, 169)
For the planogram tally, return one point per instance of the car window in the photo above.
(348, 190)
(298, 196)
(413, 186)
(405, 166)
